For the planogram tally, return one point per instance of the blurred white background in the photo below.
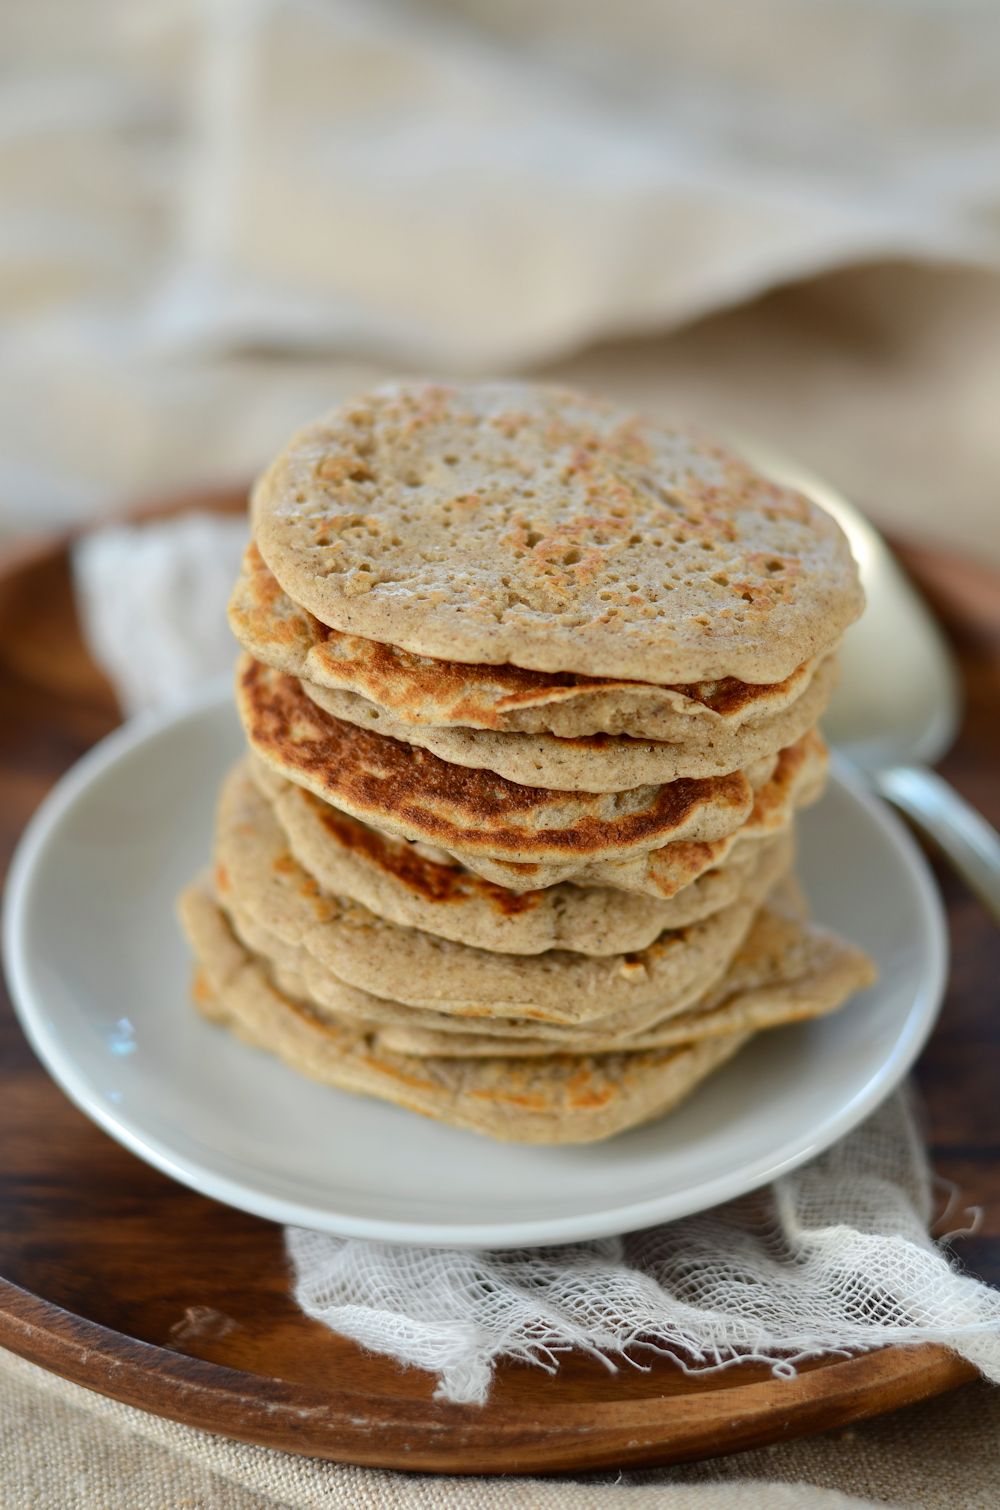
(219, 216)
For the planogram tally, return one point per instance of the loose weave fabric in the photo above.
(833, 1257)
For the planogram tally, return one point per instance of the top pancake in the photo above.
(506, 523)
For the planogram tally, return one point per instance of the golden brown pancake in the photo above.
(268, 893)
(566, 1097)
(782, 944)
(593, 762)
(797, 779)
(508, 699)
(788, 970)
(418, 888)
(408, 791)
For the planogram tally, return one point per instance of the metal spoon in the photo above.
(897, 708)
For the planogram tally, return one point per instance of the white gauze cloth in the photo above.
(834, 1256)
(152, 604)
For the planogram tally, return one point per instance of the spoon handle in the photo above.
(970, 843)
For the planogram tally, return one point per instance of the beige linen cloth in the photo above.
(101, 1455)
(222, 215)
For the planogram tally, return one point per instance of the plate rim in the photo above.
(61, 1065)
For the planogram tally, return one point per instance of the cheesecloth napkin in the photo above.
(834, 1256)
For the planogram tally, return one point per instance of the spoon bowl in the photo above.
(898, 705)
(898, 699)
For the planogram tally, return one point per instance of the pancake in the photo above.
(419, 889)
(593, 762)
(506, 523)
(403, 790)
(559, 1099)
(787, 972)
(300, 974)
(797, 780)
(781, 950)
(509, 699)
(269, 894)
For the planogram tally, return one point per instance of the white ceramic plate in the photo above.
(100, 973)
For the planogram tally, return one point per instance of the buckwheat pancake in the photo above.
(787, 971)
(505, 523)
(810, 970)
(267, 889)
(419, 889)
(798, 779)
(420, 690)
(559, 1099)
(300, 973)
(403, 790)
(592, 762)
(297, 972)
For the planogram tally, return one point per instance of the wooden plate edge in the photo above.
(440, 1438)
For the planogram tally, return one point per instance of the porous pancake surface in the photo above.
(508, 523)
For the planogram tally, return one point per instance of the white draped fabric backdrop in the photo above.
(220, 215)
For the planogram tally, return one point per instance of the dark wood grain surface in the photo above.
(124, 1281)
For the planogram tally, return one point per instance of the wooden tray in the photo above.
(136, 1287)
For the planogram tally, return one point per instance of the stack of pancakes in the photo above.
(530, 689)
